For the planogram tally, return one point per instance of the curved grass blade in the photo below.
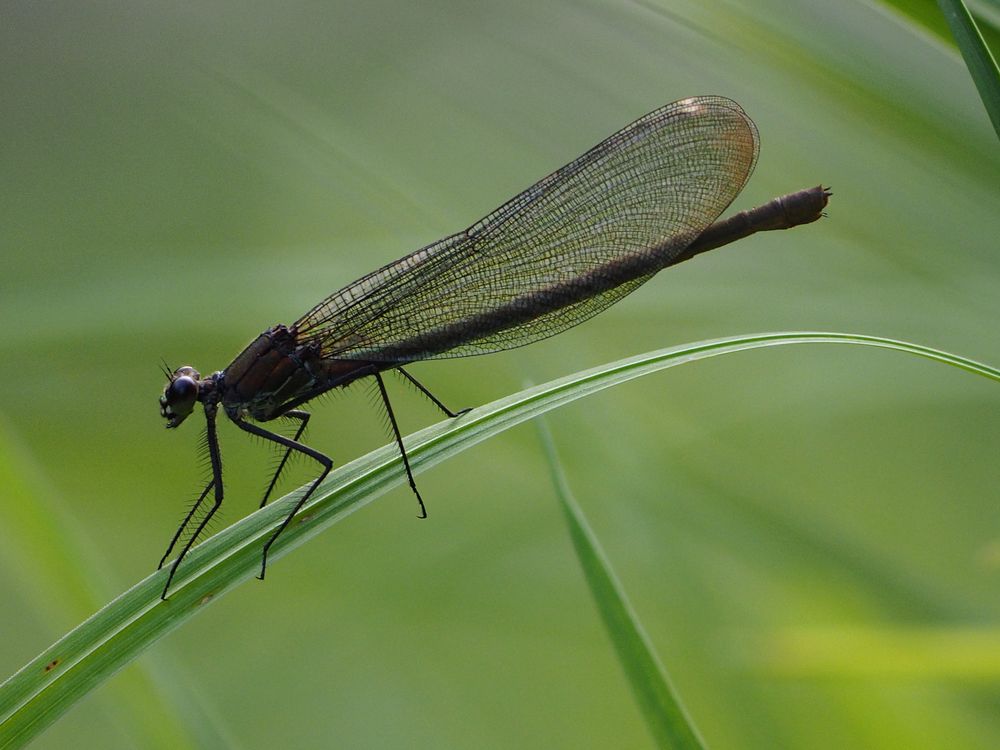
(32, 510)
(978, 57)
(666, 719)
(86, 656)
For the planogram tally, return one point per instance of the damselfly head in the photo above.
(180, 395)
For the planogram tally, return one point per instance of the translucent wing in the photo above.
(560, 252)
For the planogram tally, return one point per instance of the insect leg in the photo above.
(291, 445)
(399, 438)
(303, 416)
(431, 396)
(185, 522)
(216, 459)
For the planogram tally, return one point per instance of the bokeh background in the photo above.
(810, 535)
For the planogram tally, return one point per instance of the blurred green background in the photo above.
(810, 535)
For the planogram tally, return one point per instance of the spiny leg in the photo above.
(216, 460)
(295, 446)
(431, 396)
(399, 438)
(185, 522)
(294, 414)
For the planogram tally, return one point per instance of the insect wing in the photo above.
(637, 199)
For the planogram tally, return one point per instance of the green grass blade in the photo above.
(66, 671)
(978, 57)
(668, 722)
(32, 510)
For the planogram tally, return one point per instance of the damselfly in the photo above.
(569, 246)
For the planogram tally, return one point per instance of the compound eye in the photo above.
(181, 390)
(178, 399)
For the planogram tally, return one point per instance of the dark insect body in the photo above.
(558, 253)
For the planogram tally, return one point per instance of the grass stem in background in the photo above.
(668, 722)
(982, 66)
